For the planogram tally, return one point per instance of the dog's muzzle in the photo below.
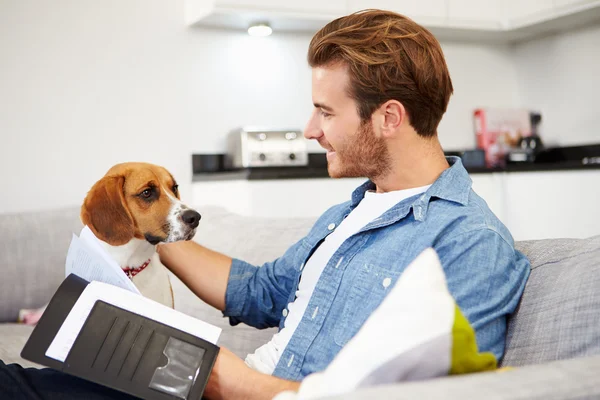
(183, 224)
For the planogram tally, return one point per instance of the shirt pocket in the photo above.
(368, 289)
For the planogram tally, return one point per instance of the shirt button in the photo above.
(285, 312)
(331, 226)
(387, 282)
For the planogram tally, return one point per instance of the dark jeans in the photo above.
(17, 382)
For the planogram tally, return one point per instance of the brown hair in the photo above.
(389, 56)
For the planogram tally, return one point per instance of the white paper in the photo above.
(88, 260)
(65, 338)
(93, 243)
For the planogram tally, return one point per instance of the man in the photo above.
(380, 88)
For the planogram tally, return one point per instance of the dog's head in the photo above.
(138, 200)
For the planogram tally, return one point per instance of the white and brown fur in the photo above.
(130, 210)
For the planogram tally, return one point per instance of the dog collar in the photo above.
(133, 271)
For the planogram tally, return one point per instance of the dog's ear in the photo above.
(105, 212)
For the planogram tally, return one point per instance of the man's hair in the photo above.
(389, 56)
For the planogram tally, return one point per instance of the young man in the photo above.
(380, 87)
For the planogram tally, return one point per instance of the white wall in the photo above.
(85, 84)
(560, 75)
(482, 76)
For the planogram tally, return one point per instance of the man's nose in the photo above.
(312, 130)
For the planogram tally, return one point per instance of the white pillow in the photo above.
(417, 332)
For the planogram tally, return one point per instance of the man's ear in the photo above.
(104, 211)
(390, 116)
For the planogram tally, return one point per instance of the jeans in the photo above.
(19, 383)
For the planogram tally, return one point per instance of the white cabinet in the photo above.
(475, 14)
(423, 11)
(307, 16)
(541, 205)
(520, 13)
(471, 20)
(275, 198)
(514, 9)
(553, 204)
(305, 6)
(570, 3)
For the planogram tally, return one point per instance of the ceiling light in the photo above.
(260, 29)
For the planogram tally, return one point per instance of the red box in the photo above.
(498, 130)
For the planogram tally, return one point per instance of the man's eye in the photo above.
(325, 114)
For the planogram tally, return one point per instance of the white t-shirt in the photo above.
(373, 205)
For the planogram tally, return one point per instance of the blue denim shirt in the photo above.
(485, 274)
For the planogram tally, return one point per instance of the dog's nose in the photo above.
(191, 218)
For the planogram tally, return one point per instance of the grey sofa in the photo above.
(553, 342)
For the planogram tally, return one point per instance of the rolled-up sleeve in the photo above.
(255, 295)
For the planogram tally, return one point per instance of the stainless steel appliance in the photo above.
(255, 147)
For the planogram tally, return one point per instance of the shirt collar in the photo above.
(453, 184)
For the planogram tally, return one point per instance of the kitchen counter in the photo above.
(534, 200)
(263, 173)
(267, 173)
(586, 157)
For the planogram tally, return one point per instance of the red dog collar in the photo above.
(131, 272)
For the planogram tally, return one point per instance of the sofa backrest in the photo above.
(559, 313)
(33, 250)
(558, 316)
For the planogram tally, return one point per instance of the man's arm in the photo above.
(486, 276)
(204, 271)
(245, 293)
(231, 378)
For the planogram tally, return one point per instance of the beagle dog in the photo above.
(130, 210)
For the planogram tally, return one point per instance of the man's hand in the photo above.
(231, 378)
(204, 271)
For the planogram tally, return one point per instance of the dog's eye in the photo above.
(175, 188)
(146, 193)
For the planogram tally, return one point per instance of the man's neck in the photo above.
(417, 163)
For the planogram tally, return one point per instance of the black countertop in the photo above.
(263, 173)
(578, 158)
(269, 173)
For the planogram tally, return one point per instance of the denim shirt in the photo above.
(484, 272)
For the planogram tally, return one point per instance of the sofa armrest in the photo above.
(566, 379)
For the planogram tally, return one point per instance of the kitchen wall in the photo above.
(559, 75)
(85, 84)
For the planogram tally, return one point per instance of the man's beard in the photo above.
(365, 155)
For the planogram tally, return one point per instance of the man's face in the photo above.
(353, 150)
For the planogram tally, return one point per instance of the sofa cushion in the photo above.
(33, 249)
(559, 313)
(575, 379)
(13, 338)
